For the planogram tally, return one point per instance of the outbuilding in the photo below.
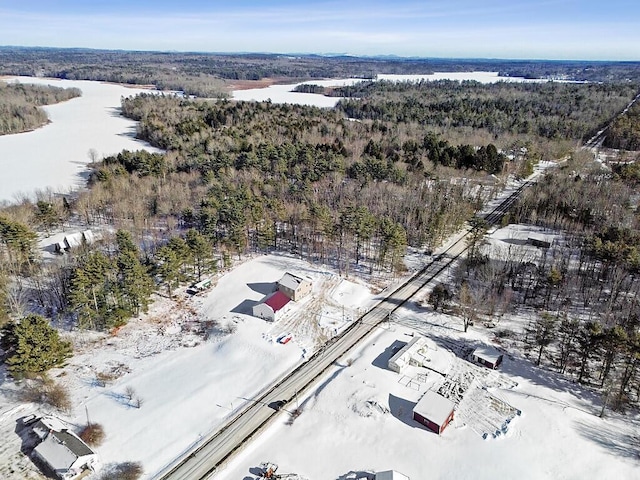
(434, 411)
(271, 307)
(294, 287)
(487, 356)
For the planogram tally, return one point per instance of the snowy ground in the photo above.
(359, 419)
(190, 372)
(56, 155)
(190, 361)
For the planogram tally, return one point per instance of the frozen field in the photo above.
(56, 155)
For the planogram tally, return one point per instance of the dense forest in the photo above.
(209, 74)
(549, 110)
(20, 105)
(624, 133)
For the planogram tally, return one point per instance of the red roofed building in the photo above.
(271, 307)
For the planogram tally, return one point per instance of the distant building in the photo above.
(539, 240)
(487, 356)
(294, 287)
(62, 452)
(271, 307)
(390, 475)
(434, 411)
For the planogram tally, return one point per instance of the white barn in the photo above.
(271, 307)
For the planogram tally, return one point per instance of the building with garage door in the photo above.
(434, 411)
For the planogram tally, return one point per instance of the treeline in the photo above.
(206, 75)
(624, 133)
(19, 105)
(549, 110)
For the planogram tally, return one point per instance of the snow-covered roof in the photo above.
(56, 454)
(434, 407)
(391, 475)
(487, 353)
(413, 346)
(74, 240)
(277, 301)
(291, 281)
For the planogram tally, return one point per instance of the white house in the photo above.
(61, 451)
(294, 287)
(271, 307)
(421, 352)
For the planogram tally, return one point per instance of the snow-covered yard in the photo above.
(180, 371)
(359, 419)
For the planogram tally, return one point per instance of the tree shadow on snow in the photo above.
(611, 438)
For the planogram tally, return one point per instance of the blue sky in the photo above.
(544, 29)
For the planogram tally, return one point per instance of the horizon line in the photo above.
(386, 56)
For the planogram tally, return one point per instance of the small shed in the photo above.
(487, 356)
(539, 240)
(294, 287)
(390, 475)
(271, 307)
(434, 411)
(61, 451)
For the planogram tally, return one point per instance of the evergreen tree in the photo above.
(200, 252)
(32, 346)
(135, 284)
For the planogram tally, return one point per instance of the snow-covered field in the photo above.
(283, 93)
(56, 155)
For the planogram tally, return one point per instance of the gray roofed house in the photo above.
(294, 287)
(61, 451)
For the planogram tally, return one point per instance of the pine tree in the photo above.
(134, 283)
(32, 346)
(201, 252)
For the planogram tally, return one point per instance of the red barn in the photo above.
(487, 356)
(434, 411)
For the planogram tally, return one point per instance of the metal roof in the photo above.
(277, 301)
